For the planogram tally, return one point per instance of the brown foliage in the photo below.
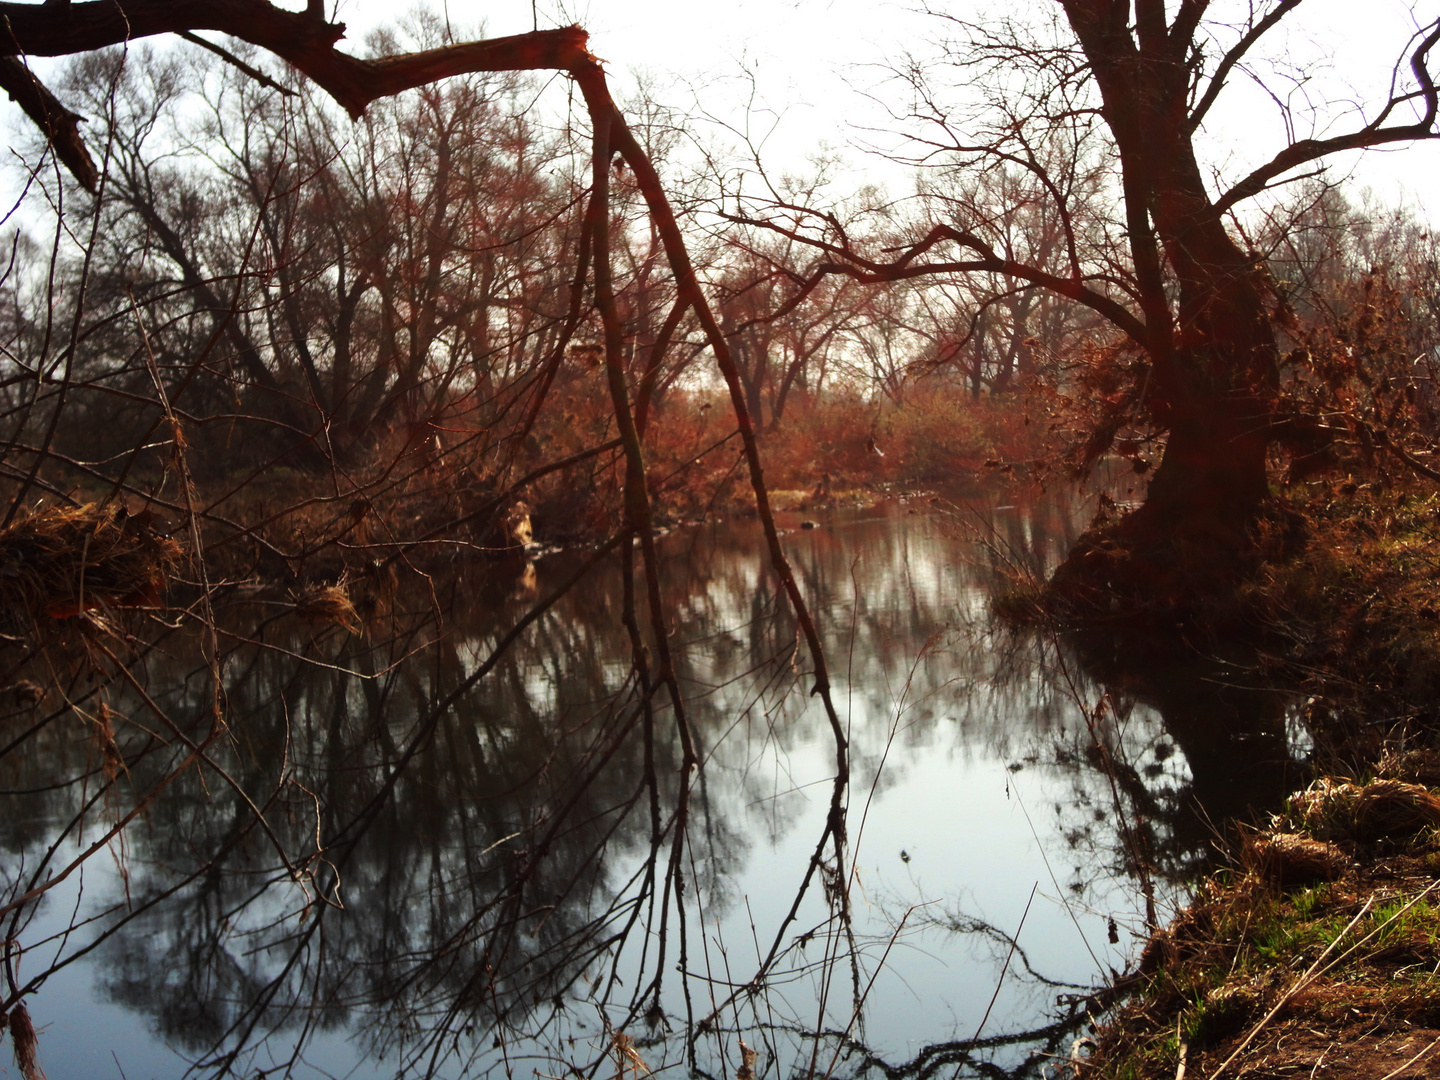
(1360, 391)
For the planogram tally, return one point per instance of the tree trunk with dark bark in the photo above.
(1213, 353)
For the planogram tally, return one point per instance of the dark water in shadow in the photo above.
(388, 865)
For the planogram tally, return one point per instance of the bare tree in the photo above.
(307, 41)
(1129, 85)
(780, 347)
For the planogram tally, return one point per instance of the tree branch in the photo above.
(1187, 20)
(297, 37)
(230, 58)
(1371, 135)
(60, 126)
(1233, 57)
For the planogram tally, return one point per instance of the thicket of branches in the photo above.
(266, 379)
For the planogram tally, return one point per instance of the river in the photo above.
(403, 855)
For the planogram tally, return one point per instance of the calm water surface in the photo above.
(395, 866)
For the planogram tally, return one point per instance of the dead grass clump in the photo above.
(1392, 808)
(748, 1057)
(1415, 766)
(1380, 810)
(1228, 1008)
(1289, 860)
(22, 1037)
(25, 694)
(60, 560)
(112, 761)
(629, 1065)
(329, 604)
(1326, 808)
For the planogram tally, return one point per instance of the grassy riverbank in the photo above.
(1315, 954)
(1316, 951)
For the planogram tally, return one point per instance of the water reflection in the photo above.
(1238, 737)
(418, 853)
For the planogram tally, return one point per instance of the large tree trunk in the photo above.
(1213, 353)
(1215, 387)
(1214, 462)
(1215, 392)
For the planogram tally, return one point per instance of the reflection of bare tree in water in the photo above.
(472, 859)
(1228, 730)
(1218, 720)
(411, 836)
(846, 1056)
(475, 889)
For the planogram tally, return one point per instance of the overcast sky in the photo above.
(810, 57)
(797, 70)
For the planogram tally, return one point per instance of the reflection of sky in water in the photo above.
(969, 789)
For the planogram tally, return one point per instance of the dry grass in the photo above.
(22, 1037)
(936, 436)
(58, 561)
(1289, 859)
(1385, 808)
(1328, 929)
(629, 1065)
(330, 605)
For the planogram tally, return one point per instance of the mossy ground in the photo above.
(1331, 968)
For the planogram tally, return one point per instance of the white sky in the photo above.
(808, 56)
(809, 60)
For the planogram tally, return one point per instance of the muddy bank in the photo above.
(1317, 953)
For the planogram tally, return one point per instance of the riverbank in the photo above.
(436, 494)
(1315, 951)
(1314, 954)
